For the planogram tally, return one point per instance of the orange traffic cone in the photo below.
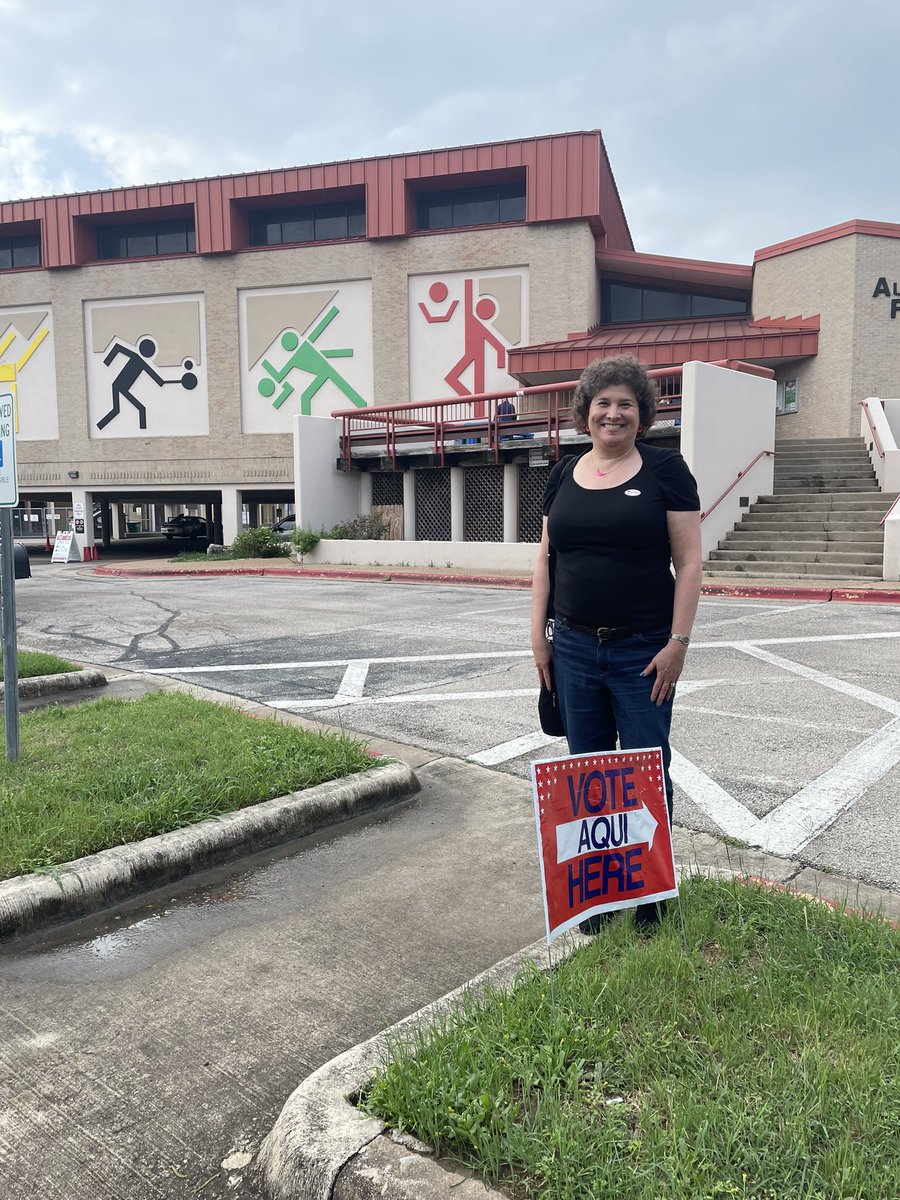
(47, 547)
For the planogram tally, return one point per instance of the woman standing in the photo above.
(616, 521)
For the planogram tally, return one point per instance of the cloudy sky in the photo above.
(729, 126)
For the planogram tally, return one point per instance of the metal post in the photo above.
(8, 614)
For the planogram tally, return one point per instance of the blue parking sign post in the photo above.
(9, 498)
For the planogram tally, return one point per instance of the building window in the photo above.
(492, 205)
(309, 223)
(147, 239)
(629, 302)
(20, 252)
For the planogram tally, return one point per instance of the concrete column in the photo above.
(365, 493)
(85, 539)
(231, 514)
(409, 506)
(510, 502)
(119, 524)
(457, 504)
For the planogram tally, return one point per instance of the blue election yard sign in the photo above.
(9, 483)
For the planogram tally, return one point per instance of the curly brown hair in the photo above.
(606, 372)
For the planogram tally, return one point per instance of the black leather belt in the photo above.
(603, 633)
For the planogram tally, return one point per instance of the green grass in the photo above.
(30, 663)
(114, 771)
(762, 1063)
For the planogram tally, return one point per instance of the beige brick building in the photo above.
(159, 342)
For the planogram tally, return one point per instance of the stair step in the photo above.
(817, 442)
(783, 554)
(802, 522)
(821, 570)
(798, 538)
(847, 501)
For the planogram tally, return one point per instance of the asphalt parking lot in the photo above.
(786, 728)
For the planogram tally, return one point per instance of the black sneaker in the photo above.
(648, 916)
(591, 926)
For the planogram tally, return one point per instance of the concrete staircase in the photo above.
(824, 519)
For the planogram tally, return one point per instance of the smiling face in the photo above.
(614, 419)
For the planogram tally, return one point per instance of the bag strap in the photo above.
(568, 466)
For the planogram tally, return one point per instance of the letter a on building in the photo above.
(603, 833)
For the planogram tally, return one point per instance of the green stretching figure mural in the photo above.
(305, 357)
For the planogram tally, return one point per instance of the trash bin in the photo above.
(21, 565)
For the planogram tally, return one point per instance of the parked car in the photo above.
(285, 527)
(184, 526)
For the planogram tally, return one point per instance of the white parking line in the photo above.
(809, 812)
(829, 681)
(729, 814)
(515, 748)
(354, 682)
(335, 662)
(403, 698)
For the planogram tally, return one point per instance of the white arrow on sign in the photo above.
(631, 827)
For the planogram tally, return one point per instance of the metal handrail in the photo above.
(740, 476)
(475, 416)
(864, 406)
(890, 510)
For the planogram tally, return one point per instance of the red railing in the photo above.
(735, 482)
(889, 511)
(875, 438)
(487, 419)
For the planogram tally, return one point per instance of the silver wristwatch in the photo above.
(680, 637)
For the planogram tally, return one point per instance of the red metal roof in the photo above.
(846, 229)
(567, 177)
(671, 343)
(661, 267)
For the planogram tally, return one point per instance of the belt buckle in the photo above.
(603, 633)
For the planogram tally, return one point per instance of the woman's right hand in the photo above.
(543, 656)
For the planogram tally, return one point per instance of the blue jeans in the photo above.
(603, 697)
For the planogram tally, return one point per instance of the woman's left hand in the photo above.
(668, 665)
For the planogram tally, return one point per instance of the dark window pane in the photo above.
(26, 252)
(331, 222)
(191, 241)
(623, 303)
(660, 305)
(141, 241)
(258, 230)
(711, 306)
(435, 212)
(477, 211)
(356, 218)
(171, 237)
(111, 243)
(512, 204)
(297, 228)
(5, 256)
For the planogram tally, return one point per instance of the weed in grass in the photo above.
(759, 1060)
(114, 771)
(30, 663)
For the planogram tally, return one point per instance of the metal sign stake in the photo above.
(8, 614)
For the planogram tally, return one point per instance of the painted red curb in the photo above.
(865, 597)
(775, 886)
(751, 591)
(760, 590)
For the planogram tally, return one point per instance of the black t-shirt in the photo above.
(612, 552)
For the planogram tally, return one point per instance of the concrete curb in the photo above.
(66, 681)
(32, 902)
(748, 590)
(323, 1148)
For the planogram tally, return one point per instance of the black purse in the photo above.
(548, 709)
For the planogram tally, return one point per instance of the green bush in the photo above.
(366, 527)
(259, 543)
(304, 540)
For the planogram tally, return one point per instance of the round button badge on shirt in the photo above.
(632, 492)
